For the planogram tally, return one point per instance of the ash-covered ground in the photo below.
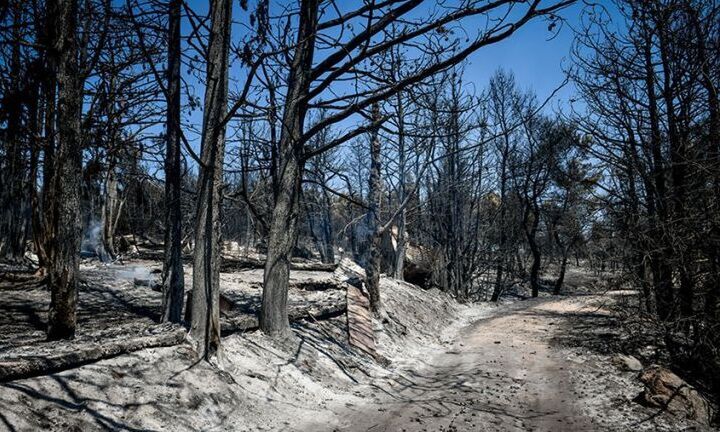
(518, 365)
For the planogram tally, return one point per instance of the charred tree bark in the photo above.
(565, 251)
(327, 230)
(111, 208)
(283, 229)
(662, 273)
(64, 198)
(205, 322)
(173, 277)
(399, 263)
(12, 227)
(502, 243)
(531, 234)
(679, 158)
(372, 220)
(321, 230)
(41, 205)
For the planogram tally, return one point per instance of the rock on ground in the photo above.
(664, 389)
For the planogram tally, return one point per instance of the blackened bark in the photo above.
(283, 229)
(502, 244)
(372, 220)
(321, 230)
(110, 211)
(400, 248)
(662, 274)
(205, 322)
(64, 198)
(399, 263)
(172, 276)
(561, 276)
(327, 230)
(640, 270)
(42, 206)
(12, 193)
(678, 172)
(531, 235)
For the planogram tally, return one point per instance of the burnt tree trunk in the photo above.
(328, 257)
(283, 228)
(12, 223)
(205, 322)
(661, 252)
(565, 250)
(531, 235)
(372, 266)
(110, 211)
(64, 185)
(502, 245)
(679, 155)
(172, 277)
(399, 262)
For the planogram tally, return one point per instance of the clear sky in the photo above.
(535, 55)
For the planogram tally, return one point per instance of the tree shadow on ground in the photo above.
(131, 395)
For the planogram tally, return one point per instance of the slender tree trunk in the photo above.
(372, 267)
(283, 228)
(321, 229)
(64, 201)
(561, 276)
(12, 227)
(662, 274)
(399, 265)
(712, 156)
(35, 146)
(502, 253)
(640, 267)
(535, 250)
(679, 157)
(173, 276)
(109, 209)
(328, 230)
(205, 315)
(42, 229)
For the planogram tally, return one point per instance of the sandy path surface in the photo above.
(500, 373)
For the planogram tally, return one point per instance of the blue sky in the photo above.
(536, 56)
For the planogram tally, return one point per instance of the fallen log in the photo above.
(230, 264)
(233, 264)
(160, 336)
(243, 323)
(159, 255)
(313, 266)
(28, 367)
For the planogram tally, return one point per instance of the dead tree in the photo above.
(283, 227)
(63, 197)
(309, 78)
(653, 110)
(205, 321)
(503, 96)
(12, 180)
(531, 179)
(173, 279)
(372, 218)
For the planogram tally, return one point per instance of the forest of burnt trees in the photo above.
(349, 129)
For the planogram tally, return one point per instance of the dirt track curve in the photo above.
(501, 373)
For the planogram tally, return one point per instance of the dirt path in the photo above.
(501, 373)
